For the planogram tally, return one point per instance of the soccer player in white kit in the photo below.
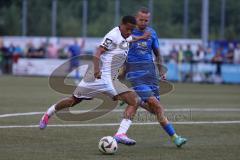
(112, 54)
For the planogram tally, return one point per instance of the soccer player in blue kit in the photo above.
(74, 51)
(141, 72)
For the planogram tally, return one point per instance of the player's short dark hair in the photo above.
(143, 10)
(129, 19)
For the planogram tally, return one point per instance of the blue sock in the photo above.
(169, 129)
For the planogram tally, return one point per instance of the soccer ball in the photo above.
(107, 145)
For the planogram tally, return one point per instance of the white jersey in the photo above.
(117, 49)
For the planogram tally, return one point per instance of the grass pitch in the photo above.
(187, 103)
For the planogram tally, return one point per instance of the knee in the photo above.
(155, 106)
(151, 101)
(136, 101)
(133, 100)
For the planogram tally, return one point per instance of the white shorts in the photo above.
(88, 90)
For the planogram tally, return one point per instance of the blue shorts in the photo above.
(143, 79)
(74, 63)
(145, 91)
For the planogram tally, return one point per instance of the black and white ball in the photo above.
(108, 145)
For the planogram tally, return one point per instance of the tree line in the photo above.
(167, 17)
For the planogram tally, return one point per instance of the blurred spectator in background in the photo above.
(19, 51)
(218, 60)
(236, 57)
(41, 51)
(52, 51)
(198, 58)
(30, 50)
(63, 52)
(230, 53)
(6, 58)
(16, 52)
(74, 51)
(180, 61)
(199, 55)
(209, 55)
(188, 54)
(188, 57)
(33, 52)
(174, 54)
(180, 54)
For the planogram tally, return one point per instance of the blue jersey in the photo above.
(141, 50)
(75, 50)
(140, 67)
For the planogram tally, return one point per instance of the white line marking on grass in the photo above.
(140, 110)
(20, 114)
(117, 124)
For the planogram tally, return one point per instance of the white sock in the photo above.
(124, 125)
(51, 110)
